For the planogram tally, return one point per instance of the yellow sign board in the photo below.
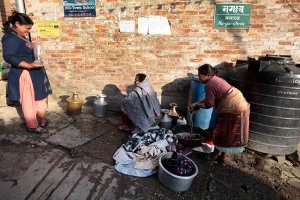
(48, 28)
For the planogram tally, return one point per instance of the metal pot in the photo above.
(172, 181)
(188, 139)
(166, 121)
(100, 106)
(74, 104)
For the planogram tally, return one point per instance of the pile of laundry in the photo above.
(139, 155)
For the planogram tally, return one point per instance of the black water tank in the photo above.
(272, 87)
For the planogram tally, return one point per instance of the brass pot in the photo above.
(172, 112)
(74, 104)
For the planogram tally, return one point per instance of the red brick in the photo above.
(285, 43)
(97, 48)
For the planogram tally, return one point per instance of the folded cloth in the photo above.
(148, 157)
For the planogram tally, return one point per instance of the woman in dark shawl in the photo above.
(141, 107)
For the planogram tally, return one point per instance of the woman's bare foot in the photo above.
(124, 128)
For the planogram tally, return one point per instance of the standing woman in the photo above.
(231, 132)
(27, 80)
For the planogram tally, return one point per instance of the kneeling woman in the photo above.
(141, 107)
(231, 133)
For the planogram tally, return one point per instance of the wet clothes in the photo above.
(141, 105)
(137, 139)
(179, 167)
(139, 155)
(15, 50)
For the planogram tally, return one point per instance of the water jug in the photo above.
(173, 113)
(100, 106)
(38, 53)
(166, 120)
(74, 104)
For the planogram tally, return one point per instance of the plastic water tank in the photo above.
(272, 87)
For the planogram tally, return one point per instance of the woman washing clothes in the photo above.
(231, 132)
(141, 107)
(27, 80)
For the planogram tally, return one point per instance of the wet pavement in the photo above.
(74, 161)
(58, 171)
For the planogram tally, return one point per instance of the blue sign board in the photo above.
(79, 8)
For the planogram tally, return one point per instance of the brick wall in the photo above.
(92, 55)
(5, 10)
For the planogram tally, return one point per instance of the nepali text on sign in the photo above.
(232, 16)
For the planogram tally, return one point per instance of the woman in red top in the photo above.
(231, 132)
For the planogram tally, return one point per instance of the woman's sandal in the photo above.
(38, 130)
(221, 161)
(208, 158)
(221, 158)
(46, 123)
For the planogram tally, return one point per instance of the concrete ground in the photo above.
(74, 161)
